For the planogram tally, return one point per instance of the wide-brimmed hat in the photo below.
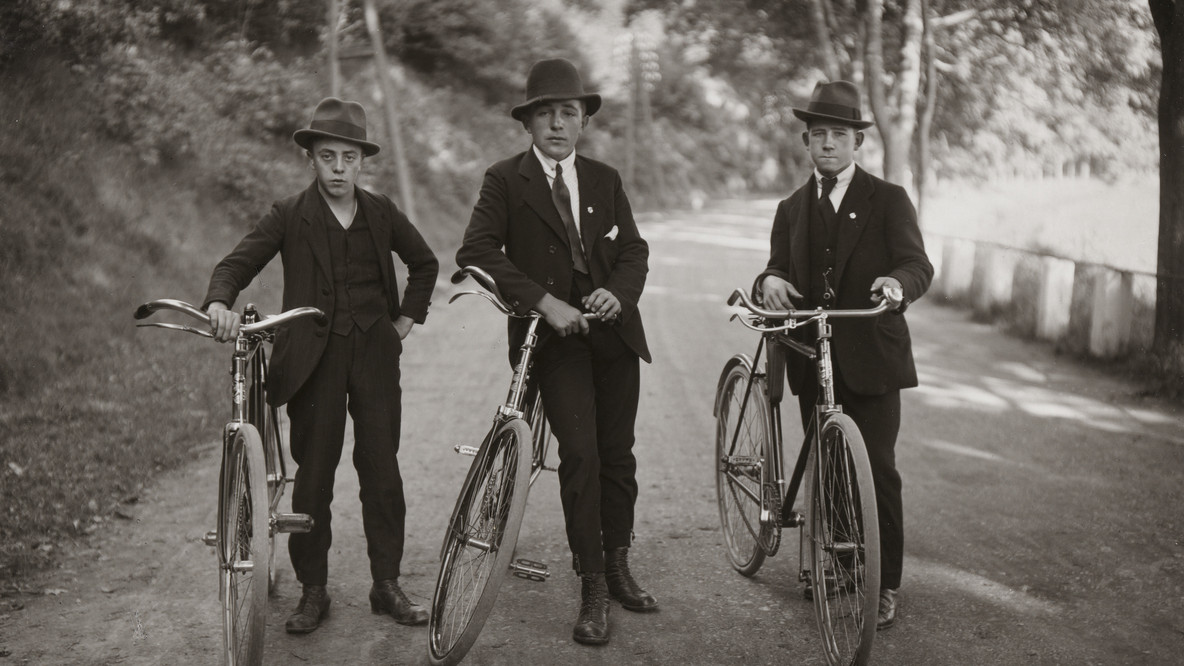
(837, 101)
(337, 119)
(551, 80)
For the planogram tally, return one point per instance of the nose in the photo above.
(339, 164)
(556, 122)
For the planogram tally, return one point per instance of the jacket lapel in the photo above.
(537, 194)
(380, 230)
(312, 212)
(853, 216)
(592, 204)
(799, 237)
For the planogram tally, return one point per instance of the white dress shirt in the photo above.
(836, 195)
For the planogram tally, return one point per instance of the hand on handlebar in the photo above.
(562, 317)
(778, 294)
(224, 322)
(603, 304)
(888, 288)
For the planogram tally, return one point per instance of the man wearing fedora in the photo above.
(556, 232)
(847, 240)
(336, 242)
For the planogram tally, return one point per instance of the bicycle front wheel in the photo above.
(845, 543)
(243, 550)
(479, 544)
(742, 451)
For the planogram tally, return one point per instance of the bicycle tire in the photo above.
(845, 544)
(740, 472)
(479, 543)
(243, 540)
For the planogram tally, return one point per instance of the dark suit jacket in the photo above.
(514, 211)
(296, 229)
(878, 236)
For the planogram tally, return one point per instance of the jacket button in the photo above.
(551, 249)
(550, 281)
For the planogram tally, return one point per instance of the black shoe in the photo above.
(387, 597)
(313, 607)
(621, 584)
(592, 625)
(887, 615)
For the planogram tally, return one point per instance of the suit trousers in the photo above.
(878, 419)
(590, 386)
(358, 372)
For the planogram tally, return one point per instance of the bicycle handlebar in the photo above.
(793, 315)
(492, 294)
(267, 323)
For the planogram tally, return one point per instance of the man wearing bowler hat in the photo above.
(556, 232)
(847, 240)
(336, 242)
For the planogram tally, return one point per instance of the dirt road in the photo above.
(1042, 502)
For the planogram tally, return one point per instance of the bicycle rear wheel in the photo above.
(243, 550)
(845, 543)
(743, 441)
(479, 544)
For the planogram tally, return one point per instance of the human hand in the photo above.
(224, 322)
(888, 288)
(560, 316)
(403, 326)
(603, 304)
(778, 294)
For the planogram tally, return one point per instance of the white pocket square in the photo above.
(612, 233)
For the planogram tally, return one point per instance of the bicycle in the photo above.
(251, 483)
(482, 533)
(840, 535)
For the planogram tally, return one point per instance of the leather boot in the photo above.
(592, 625)
(887, 612)
(387, 597)
(621, 584)
(313, 607)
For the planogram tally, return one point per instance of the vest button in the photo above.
(550, 281)
(551, 249)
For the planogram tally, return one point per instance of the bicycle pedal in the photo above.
(291, 523)
(466, 450)
(210, 538)
(530, 570)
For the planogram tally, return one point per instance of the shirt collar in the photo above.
(568, 163)
(844, 177)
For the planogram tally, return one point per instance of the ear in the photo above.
(584, 122)
(858, 139)
(806, 138)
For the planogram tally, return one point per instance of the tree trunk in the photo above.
(382, 75)
(1169, 293)
(921, 178)
(896, 114)
(334, 16)
(830, 62)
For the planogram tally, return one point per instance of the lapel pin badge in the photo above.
(589, 209)
(852, 216)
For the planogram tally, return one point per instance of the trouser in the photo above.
(878, 419)
(358, 372)
(590, 386)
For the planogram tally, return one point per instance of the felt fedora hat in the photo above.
(837, 101)
(337, 119)
(551, 80)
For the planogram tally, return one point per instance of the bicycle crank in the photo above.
(530, 570)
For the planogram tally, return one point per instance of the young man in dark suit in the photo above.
(556, 232)
(335, 240)
(847, 240)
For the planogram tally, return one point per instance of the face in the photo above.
(556, 126)
(337, 164)
(832, 145)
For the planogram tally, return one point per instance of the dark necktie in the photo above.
(828, 208)
(562, 198)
